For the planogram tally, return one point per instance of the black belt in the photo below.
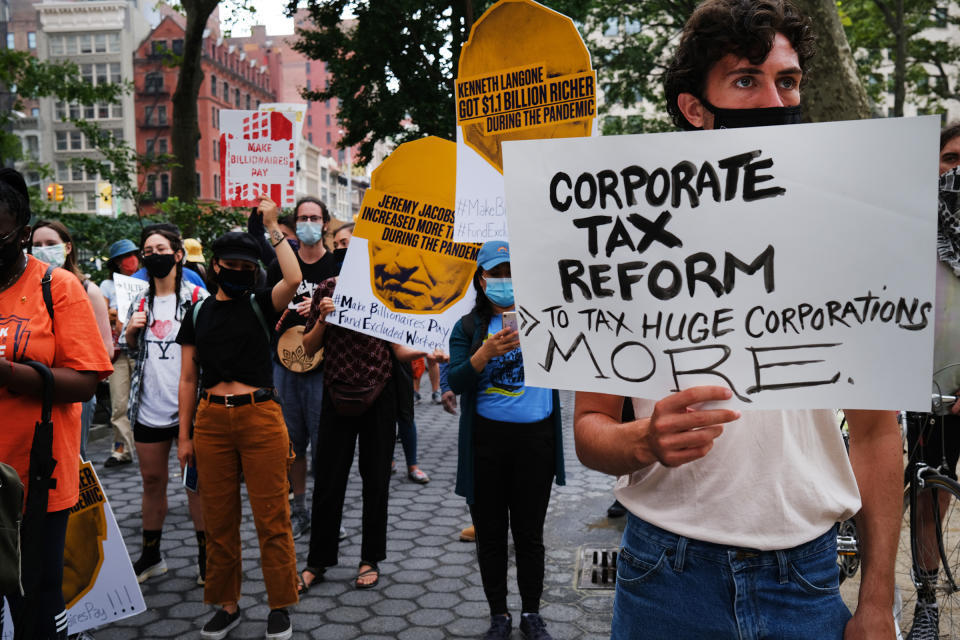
(239, 399)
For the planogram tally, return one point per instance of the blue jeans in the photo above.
(673, 587)
(301, 398)
(407, 430)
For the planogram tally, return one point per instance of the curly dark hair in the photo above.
(745, 28)
(949, 132)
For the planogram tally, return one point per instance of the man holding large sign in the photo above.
(731, 526)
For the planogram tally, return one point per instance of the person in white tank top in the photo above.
(730, 516)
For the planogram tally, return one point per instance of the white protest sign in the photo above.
(523, 74)
(359, 309)
(257, 157)
(793, 264)
(298, 111)
(99, 585)
(127, 289)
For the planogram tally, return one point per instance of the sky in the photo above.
(270, 13)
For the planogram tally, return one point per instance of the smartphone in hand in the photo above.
(190, 479)
(510, 320)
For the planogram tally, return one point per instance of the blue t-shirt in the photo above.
(501, 394)
(189, 275)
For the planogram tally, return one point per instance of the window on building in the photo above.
(178, 46)
(31, 39)
(86, 72)
(148, 115)
(100, 43)
(115, 72)
(90, 111)
(101, 73)
(63, 172)
(309, 119)
(76, 140)
(216, 187)
(162, 145)
(103, 111)
(213, 85)
(31, 147)
(35, 112)
(328, 119)
(152, 185)
(56, 45)
(248, 102)
(86, 43)
(61, 137)
(113, 42)
(150, 147)
(118, 134)
(76, 173)
(213, 117)
(164, 186)
(92, 200)
(310, 138)
(117, 110)
(153, 82)
(74, 111)
(308, 84)
(216, 150)
(328, 137)
(157, 47)
(236, 97)
(162, 115)
(226, 92)
(70, 45)
(308, 67)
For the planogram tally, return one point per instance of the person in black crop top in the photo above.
(237, 424)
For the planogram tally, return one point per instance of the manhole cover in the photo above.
(598, 568)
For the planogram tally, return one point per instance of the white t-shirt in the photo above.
(161, 368)
(773, 480)
(109, 291)
(946, 339)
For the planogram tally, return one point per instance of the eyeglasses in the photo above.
(3, 239)
(310, 219)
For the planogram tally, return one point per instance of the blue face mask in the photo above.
(310, 232)
(500, 291)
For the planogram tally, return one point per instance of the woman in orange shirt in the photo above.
(67, 341)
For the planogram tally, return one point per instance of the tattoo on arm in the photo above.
(276, 236)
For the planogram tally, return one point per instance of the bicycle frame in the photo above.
(918, 482)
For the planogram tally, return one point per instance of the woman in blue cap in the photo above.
(510, 445)
(123, 259)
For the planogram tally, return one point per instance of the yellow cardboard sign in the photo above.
(525, 97)
(524, 74)
(407, 218)
(83, 553)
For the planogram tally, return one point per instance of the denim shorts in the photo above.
(301, 396)
(673, 587)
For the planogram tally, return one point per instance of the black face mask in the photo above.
(10, 252)
(294, 243)
(236, 282)
(158, 265)
(338, 257)
(764, 117)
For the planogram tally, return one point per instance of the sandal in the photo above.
(374, 569)
(418, 476)
(302, 585)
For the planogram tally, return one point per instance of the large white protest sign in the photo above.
(257, 157)
(523, 74)
(793, 264)
(99, 585)
(127, 289)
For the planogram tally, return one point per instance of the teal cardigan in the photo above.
(463, 380)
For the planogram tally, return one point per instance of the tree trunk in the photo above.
(186, 134)
(832, 89)
(899, 62)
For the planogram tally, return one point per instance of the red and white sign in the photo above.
(257, 156)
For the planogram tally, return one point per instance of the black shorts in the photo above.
(924, 434)
(150, 435)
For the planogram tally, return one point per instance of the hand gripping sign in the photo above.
(524, 74)
(404, 279)
(257, 156)
(772, 260)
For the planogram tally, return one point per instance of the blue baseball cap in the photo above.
(493, 253)
(122, 248)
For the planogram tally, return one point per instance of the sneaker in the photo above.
(220, 624)
(116, 460)
(300, 521)
(469, 534)
(435, 396)
(500, 626)
(149, 567)
(416, 397)
(926, 622)
(533, 627)
(278, 625)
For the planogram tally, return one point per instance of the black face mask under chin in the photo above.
(764, 117)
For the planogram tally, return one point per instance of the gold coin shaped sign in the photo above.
(407, 218)
(291, 354)
(524, 74)
(86, 532)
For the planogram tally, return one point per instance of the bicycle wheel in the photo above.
(943, 550)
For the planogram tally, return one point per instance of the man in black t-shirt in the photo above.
(301, 392)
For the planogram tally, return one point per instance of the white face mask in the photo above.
(55, 254)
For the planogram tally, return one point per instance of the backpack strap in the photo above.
(47, 294)
(196, 311)
(195, 294)
(259, 313)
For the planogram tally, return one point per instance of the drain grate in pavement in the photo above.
(598, 568)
